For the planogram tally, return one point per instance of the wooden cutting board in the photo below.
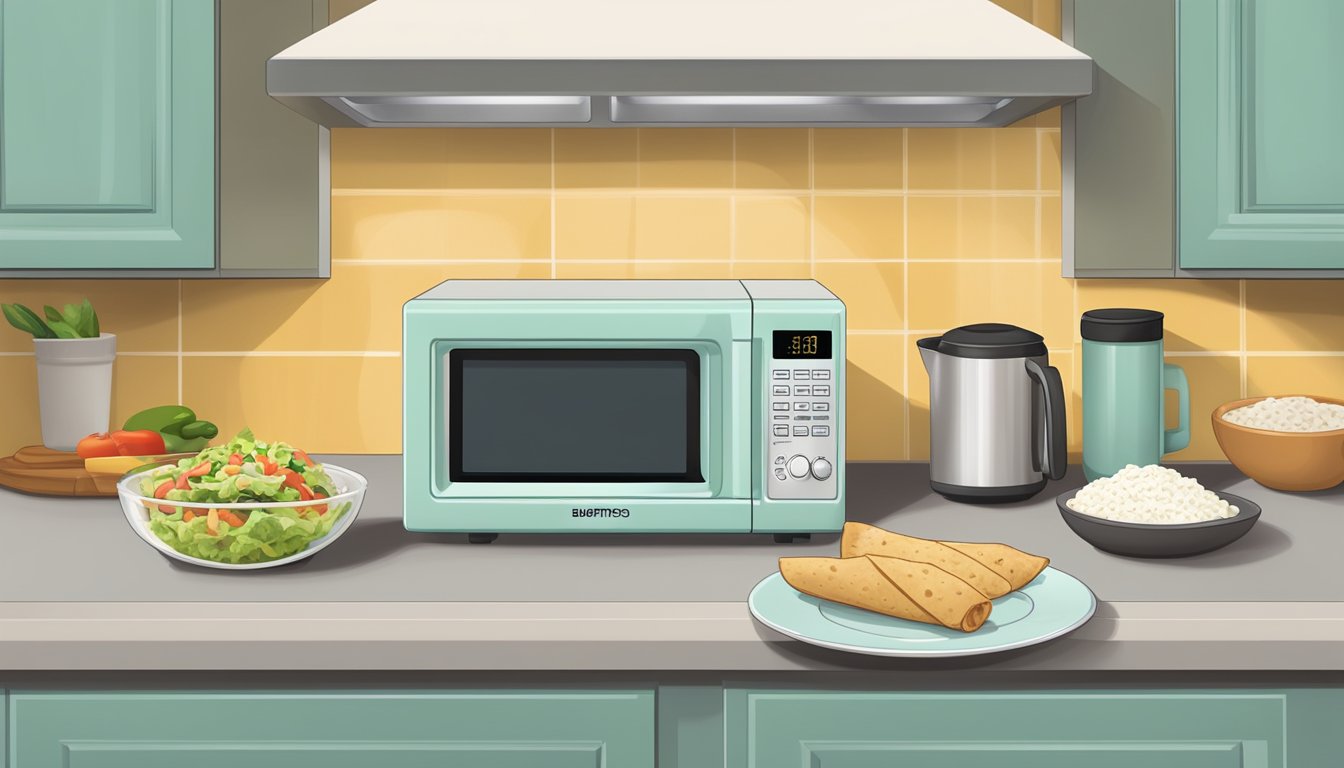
(40, 470)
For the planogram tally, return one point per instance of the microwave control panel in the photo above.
(801, 429)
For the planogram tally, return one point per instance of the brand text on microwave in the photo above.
(601, 512)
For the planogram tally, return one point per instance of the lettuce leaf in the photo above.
(267, 534)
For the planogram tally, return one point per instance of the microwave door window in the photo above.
(574, 415)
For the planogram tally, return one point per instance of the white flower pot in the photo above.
(74, 388)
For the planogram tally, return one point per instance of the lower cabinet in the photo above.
(497, 729)
(1061, 729)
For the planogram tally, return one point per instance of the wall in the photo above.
(917, 230)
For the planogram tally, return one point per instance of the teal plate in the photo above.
(1053, 604)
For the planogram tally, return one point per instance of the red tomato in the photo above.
(199, 470)
(236, 459)
(98, 444)
(138, 442)
(304, 458)
(268, 467)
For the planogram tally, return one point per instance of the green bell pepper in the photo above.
(182, 431)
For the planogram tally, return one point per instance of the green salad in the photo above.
(243, 471)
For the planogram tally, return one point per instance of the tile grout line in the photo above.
(811, 203)
(1241, 312)
(179, 341)
(697, 192)
(732, 206)
(905, 293)
(1037, 235)
(553, 206)
(913, 332)
(427, 262)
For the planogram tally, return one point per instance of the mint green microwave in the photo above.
(656, 406)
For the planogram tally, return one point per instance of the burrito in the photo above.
(888, 585)
(860, 539)
(1018, 567)
(1014, 568)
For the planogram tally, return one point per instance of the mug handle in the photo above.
(1056, 429)
(1173, 377)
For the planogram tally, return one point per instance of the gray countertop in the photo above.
(385, 597)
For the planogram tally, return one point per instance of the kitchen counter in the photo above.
(381, 598)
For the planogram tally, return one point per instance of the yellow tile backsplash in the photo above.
(917, 230)
(858, 158)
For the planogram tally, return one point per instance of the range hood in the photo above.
(603, 63)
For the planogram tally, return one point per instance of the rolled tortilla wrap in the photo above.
(860, 539)
(891, 586)
(1018, 567)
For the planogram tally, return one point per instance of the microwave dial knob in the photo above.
(799, 466)
(821, 469)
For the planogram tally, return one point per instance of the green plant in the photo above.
(73, 322)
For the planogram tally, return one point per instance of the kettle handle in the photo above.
(1056, 429)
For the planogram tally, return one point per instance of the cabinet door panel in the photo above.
(333, 754)
(1260, 151)
(476, 729)
(107, 134)
(1010, 730)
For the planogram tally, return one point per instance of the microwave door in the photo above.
(602, 415)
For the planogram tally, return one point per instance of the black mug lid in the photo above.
(1122, 324)
(991, 341)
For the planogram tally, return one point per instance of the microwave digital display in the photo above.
(802, 345)
(574, 415)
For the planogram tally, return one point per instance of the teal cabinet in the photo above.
(1212, 144)
(1062, 729)
(107, 134)
(476, 729)
(1260, 141)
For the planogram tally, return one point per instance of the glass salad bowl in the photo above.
(242, 535)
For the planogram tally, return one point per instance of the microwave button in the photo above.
(781, 389)
(821, 468)
(779, 406)
(802, 406)
(781, 374)
(799, 432)
(821, 418)
(802, 390)
(820, 374)
(779, 461)
(799, 466)
(800, 375)
(781, 417)
(781, 430)
(821, 406)
(781, 474)
(821, 390)
(821, 431)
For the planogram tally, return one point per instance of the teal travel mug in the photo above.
(1124, 385)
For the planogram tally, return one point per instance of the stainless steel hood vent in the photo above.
(399, 63)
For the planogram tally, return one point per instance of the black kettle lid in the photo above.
(991, 341)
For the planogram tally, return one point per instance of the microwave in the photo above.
(657, 406)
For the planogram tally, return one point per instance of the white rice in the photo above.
(1288, 414)
(1150, 494)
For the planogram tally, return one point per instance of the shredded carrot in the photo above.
(230, 518)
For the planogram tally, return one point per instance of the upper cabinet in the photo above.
(1211, 146)
(1260, 134)
(107, 134)
(137, 138)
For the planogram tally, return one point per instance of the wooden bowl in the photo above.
(1284, 461)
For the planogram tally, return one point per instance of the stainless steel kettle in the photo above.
(996, 414)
